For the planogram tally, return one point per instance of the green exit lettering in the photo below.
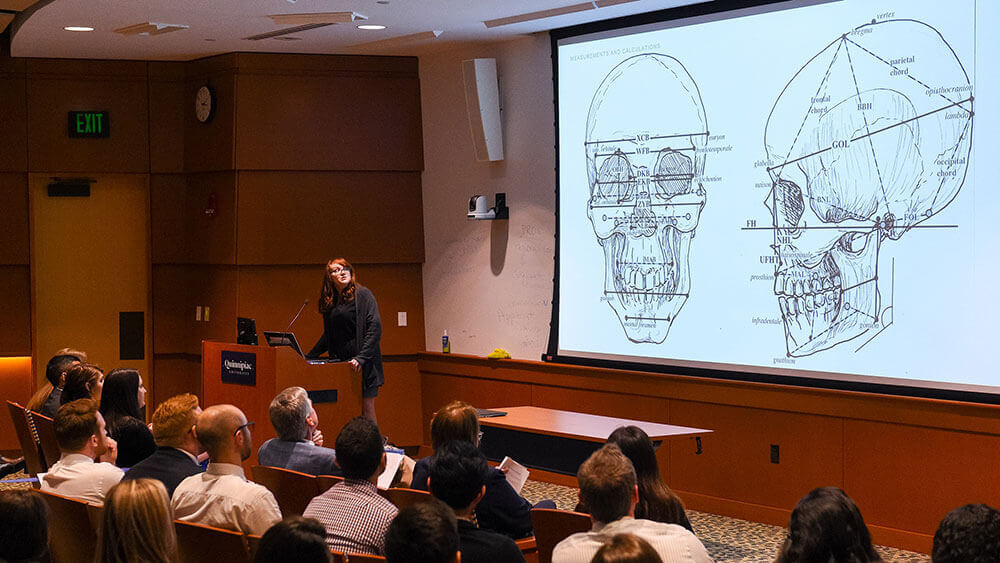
(88, 124)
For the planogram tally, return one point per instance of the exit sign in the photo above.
(89, 124)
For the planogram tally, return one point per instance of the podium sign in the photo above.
(239, 367)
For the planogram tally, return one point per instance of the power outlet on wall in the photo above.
(775, 453)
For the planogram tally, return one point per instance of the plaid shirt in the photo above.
(355, 516)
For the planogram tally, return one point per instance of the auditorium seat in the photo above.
(553, 526)
(46, 430)
(529, 548)
(71, 532)
(405, 497)
(197, 543)
(327, 481)
(253, 542)
(292, 490)
(338, 557)
(33, 461)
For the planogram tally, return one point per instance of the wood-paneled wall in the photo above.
(307, 157)
(906, 462)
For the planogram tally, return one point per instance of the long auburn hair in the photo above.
(656, 501)
(137, 524)
(328, 295)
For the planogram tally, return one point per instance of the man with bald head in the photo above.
(222, 496)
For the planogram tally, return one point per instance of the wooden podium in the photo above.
(250, 376)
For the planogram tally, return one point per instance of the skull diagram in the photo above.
(646, 131)
(868, 140)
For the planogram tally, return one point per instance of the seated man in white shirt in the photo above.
(221, 496)
(299, 445)
(81, 436)
(608, 488)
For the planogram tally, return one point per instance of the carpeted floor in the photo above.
(727, 539)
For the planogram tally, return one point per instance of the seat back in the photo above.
(326, 481)
(46, 430)
(70, 531)
(292, 490)
(364, 558)
(197, 543)
(553, 526)
(405, 497)
(34, 464)
(338, 557)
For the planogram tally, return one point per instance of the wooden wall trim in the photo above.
(930, 413)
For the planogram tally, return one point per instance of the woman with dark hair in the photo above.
(294, 539)
(656, 501)
(83, 381)
(826, 525)
(121, 405)
(352, 329)
(24, 528)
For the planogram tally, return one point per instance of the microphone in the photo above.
(296, 317)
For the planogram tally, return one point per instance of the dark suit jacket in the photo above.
(501, 510)
(169, 465)
(304, 457)
(481, 546)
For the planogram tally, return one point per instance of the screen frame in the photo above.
(731, 372)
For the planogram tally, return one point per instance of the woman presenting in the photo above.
(352, 329)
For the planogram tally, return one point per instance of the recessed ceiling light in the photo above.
(78, 28)
(371, 26)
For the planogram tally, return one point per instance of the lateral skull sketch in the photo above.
(646, 131)
(868, 140)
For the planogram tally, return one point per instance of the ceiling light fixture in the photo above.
(150, 28)
(371, 26)
(78, 28)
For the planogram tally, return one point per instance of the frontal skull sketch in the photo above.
(646, 132)
(868, 140)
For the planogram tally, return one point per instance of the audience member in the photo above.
(82, 438)
(457, 477)
(46, 399)
(502, 509)
(222, 496)
(656, 501)
(177, 449)
(137, 525)
(122, 401)
(83, 381)
(423, 533)
(826, 525)
(626, 548)
(295, 538)
(968, 534)
(354, 514)
(24, 528)
(608, 488)
(299, 443)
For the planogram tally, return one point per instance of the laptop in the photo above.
(275, 339)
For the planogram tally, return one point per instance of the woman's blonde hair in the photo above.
(138, 524)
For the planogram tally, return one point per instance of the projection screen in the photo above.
(800, 192)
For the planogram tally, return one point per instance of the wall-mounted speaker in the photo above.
(482, 98)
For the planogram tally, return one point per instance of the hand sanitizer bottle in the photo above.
(445, 344)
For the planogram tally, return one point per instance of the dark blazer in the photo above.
(481, 546)
(169, 465)
(369, 335)
(502, 510)
(302, 456)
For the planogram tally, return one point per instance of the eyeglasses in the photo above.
(336, 271)
(248, 426)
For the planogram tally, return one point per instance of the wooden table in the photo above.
(559, 441)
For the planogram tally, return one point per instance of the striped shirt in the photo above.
(355, 516)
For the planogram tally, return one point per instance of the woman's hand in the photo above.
(355, 366)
